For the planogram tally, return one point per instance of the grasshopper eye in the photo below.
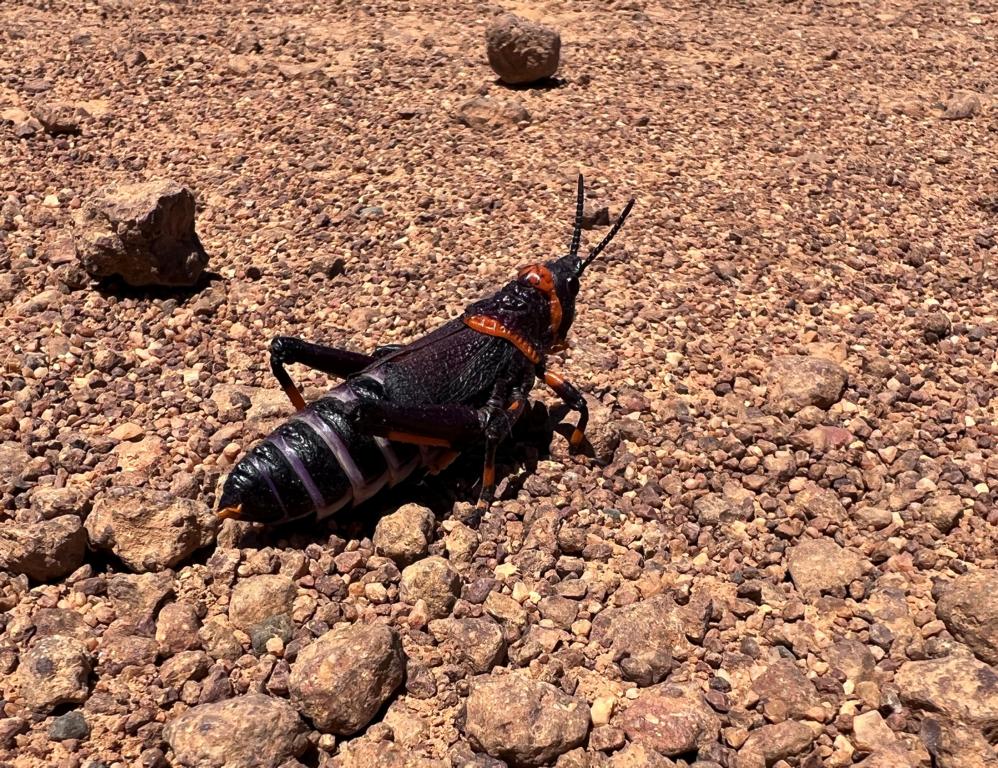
(530, 275)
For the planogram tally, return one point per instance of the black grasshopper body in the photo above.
(414, 406)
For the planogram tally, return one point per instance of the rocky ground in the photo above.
(784, 550)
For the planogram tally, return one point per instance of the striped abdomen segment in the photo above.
(315, 464)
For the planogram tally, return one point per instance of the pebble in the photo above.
(434, 581)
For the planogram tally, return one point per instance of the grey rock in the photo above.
(72, 725)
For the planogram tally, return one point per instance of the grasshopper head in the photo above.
(559, 278)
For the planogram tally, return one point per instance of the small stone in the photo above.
(770, 743)
(601, 710)
(434, 581)
(252, 730)
(177, 628)
(127, 431)
(968, 607)
(59, 118)
(638, 756)
(72, 725)
(184, 666)
(43, 551)
(136, 597)
(404, 535)
(54, 671)
(522, 51)
(943, 511)
(149, 530)
(607, 738)
(871, 733)
(523, 721)
(785, 686)
(278, 627)
(258, 598)
(797, 382)
(143, 232)
(821, 565)
(642, 636)
(342, 679)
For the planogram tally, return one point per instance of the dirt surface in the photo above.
(789, 558)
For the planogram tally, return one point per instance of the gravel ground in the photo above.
(784, 552)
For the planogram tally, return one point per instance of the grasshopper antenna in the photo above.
(573, 252)
(606, 240)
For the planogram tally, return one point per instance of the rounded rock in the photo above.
(252, 731)
(258, 598)
(404, 535)
(522, 51)
(342, 679)
(434, 581)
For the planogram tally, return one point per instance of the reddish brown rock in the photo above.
(522, 51)
(523, 721)
(143, 232)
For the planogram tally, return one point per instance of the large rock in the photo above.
(784, 689)
(149, 530)
(434, 581)
(522, 51)
(821, 565)
(342, 679)
(954, 745)
(969, 608)
(770, 743)
(252, 731)
(54, 671)
(258, 598)
(670, 720)
(45, 550)
(642, 637)
(523, 721)
(957, 687)
(796, 382)
(143, 232)
(477, 642)
(404, 535)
